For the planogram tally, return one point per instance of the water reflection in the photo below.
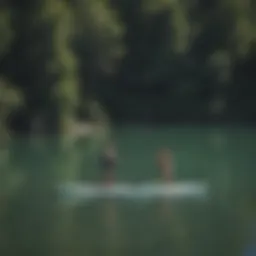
(124, 228)
(111, 228)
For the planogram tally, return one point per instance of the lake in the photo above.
(37, 224)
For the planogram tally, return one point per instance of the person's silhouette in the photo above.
(108, 161)
(164, 164)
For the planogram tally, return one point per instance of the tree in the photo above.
(98, 42)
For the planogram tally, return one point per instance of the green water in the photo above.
(36, 225)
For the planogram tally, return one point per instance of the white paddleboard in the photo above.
(93, 191)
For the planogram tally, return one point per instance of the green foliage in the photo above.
(6, 32)
(10, 100)
(10, 97)
(181, 26)
(99, 30)
(178, 19)
(180, 46)
(66, 88)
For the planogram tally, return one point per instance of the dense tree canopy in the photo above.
(145, 60)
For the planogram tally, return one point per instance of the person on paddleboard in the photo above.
(164, 164)
(108, 162)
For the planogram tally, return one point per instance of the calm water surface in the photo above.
(35, 224)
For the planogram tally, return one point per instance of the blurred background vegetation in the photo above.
(75, 67)
(145, 60)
